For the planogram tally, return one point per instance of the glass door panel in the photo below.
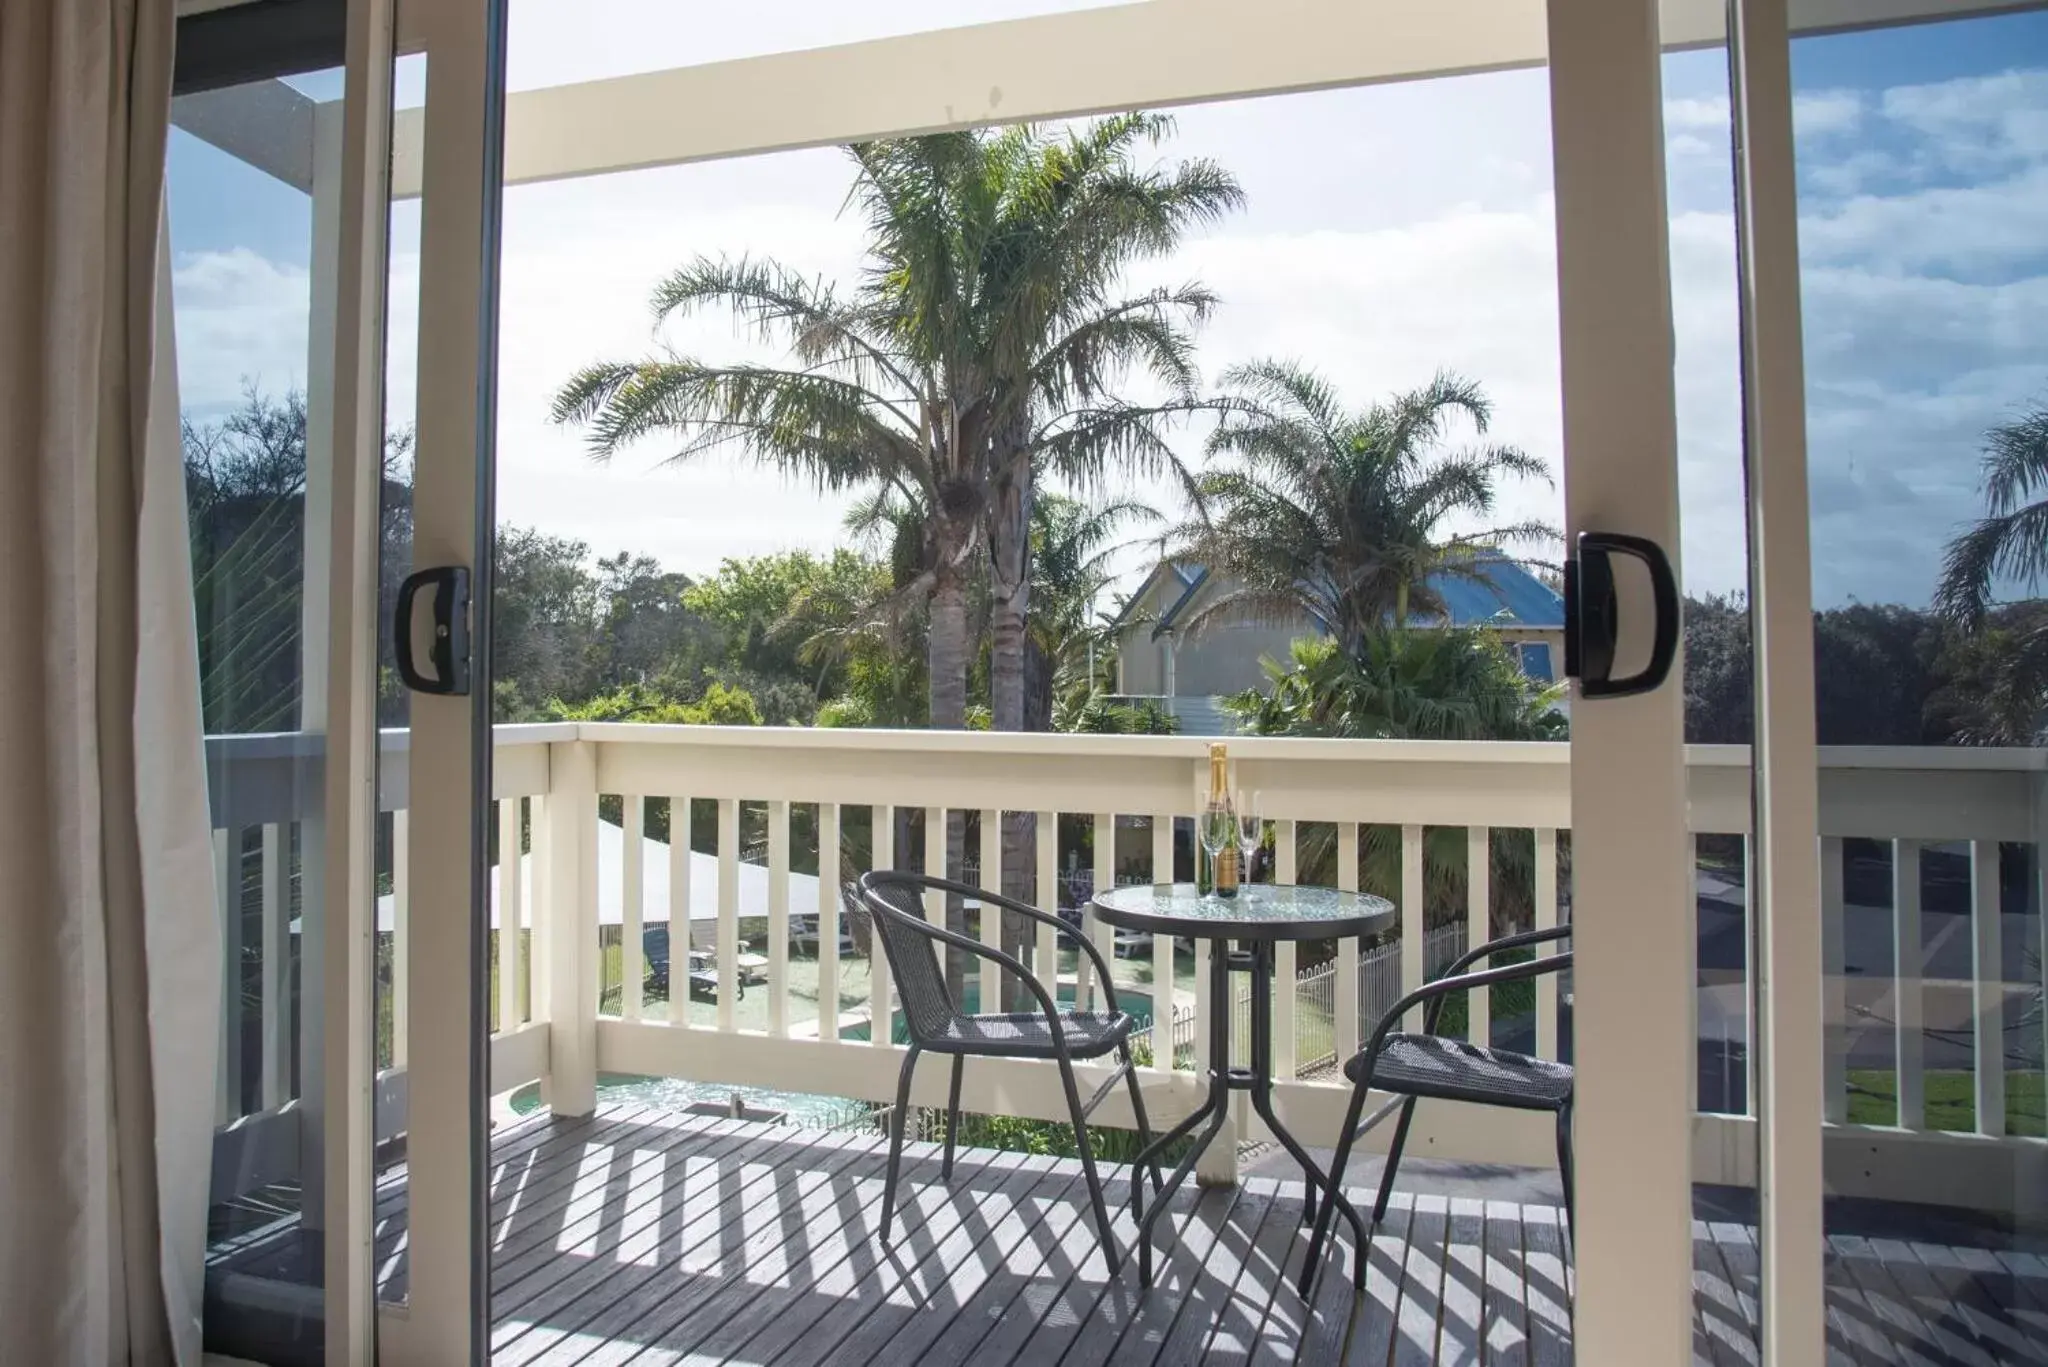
(731, 844)
(1926, 441)
(252, 194)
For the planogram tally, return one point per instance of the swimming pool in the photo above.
(1138, 1005)
(679, 1094)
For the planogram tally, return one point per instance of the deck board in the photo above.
(646, 1236)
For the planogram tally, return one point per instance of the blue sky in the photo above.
(1391, 230)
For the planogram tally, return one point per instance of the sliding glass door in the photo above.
(1896, 441)
(517, 980)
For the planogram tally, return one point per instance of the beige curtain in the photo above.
(110, 975)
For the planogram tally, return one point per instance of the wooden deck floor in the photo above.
(653, 1238)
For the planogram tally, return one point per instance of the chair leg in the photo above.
(896, 1140)
(1564, 1163)
(1326, 1209)
(952, 1118)
(1144, 1135)
(1088, 1172)
(1379, 1205)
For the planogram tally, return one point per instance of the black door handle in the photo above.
(1592, 615)
(449, 653)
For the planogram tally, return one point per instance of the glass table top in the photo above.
(1273, 911)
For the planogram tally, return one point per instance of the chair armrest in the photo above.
(1505, 943)
(1008, 962)
(1433, 993)
(1025, 909)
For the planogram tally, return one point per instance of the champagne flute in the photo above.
(1218, 828)
(1251, 831)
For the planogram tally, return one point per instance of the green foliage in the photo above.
(985, 340)
(245, 484)
(1451, 684)
(1883, 675)
(1314, 511)
(2009, 544)
(1415, 684)
(721, 705)
(1100, 716)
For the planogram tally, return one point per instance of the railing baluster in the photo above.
(1344, 998)
(1103, 881)
(935, 840)
(511, 901)
(1285, 959)
(1478, 926)
(778, 918)
(728, 929)
(1751, 1047)
(1908, 963)
(1162, 950)
(679, 866)
(1987, 986)
(1413, 914)
(541, 913)
(632, 914)
(1834, 986)
(881, 1023)
(227, 899)
(1546, 919)
(277, 939)
(828, 920)
(990, 916)
(401, 903)
(1045, 957)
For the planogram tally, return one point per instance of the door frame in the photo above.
(1785, 936)
(1631, 849)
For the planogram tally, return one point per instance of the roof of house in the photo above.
(1505, 594)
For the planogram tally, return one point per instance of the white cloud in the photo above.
(240, 319)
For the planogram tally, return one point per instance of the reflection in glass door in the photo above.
(1920, 275)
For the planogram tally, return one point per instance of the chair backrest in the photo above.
(895, 902)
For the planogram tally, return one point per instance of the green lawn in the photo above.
(1951, 1101)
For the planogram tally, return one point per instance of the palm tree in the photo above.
(1457, 684)
(983, 341)
(1309, 509)
(2011, 540)
(1070, 642)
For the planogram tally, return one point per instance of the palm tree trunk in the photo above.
(1010, 547)
(946, 659)
(946, 643)
(1010, 552)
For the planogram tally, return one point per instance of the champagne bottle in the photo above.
(1219, 803)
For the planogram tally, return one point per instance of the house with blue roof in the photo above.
(1169, 650)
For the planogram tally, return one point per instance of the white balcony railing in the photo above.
(558, 967)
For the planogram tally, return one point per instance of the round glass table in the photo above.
(1245, 928)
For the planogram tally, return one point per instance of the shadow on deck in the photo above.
(646, 1236)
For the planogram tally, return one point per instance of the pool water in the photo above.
(1138, 1005)
(677, 1094)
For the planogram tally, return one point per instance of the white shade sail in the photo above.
(654, 881)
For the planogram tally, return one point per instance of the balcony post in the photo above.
(571, 1085)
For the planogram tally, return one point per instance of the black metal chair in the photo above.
(1428, 1065)
(894, 902)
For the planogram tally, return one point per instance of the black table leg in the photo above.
(1262, 1092)
(1215, 1108)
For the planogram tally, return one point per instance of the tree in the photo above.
(245, 492)
(2011, 541)
(983, 339)
(1427, 685)
(1448, 684)
(1070, 646)
(1311, 510)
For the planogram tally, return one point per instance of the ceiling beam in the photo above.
(1152, 54)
